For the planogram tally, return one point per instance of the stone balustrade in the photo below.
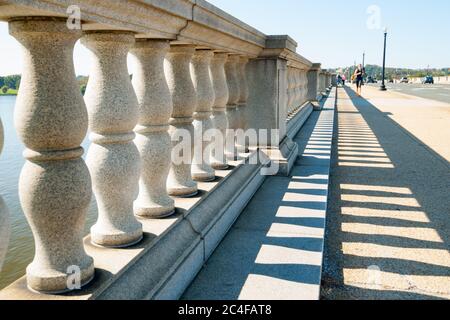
(198, 70)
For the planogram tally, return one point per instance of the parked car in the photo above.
(428, 80)
(404, 80)
(371, 80)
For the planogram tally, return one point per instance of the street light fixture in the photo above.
(383, 85)
(364, 59)
(364, 67)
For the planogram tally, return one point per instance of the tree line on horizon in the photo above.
(12, 83)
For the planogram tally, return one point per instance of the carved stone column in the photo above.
(184, 97)
(304, 86)
(298, 89)
(289, 91)
(153, 139)
(4, 216)
(55, 186)
(113, 159)
(234, 96)
(219, 117)
(201, 77)
(242, 146)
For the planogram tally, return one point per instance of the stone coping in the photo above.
(173, 250)
(182, 21)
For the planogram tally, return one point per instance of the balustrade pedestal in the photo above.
(267, 110)
(313, 86)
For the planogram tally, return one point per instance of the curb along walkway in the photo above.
(388, 222)
(275, 249)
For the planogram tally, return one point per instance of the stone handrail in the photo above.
(198, 68)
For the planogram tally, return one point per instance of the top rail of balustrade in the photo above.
(184, 21)
(181, 21)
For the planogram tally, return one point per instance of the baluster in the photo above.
(184, 97)
(113, 159)
(219, 117)
(153, 139)
(289, 90)
(299, 89)
(305, 86)
(242, 146)
(293, 90)
(4, 216)
(233, 100)
(296, 90)
(54, 186)
(201, 77)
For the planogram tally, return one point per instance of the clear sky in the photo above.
(335, 33)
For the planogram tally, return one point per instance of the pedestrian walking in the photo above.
(358, 75)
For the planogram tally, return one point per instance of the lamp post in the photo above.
(383, 85)
(364, 59)
(364, 66)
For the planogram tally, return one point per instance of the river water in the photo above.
(21, 246)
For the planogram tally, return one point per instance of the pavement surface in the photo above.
(439, 92)
(388, 217)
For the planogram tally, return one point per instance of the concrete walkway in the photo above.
(388, 219)
(426, 120)
(275, 249)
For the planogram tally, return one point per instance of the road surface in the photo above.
(439, 92)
